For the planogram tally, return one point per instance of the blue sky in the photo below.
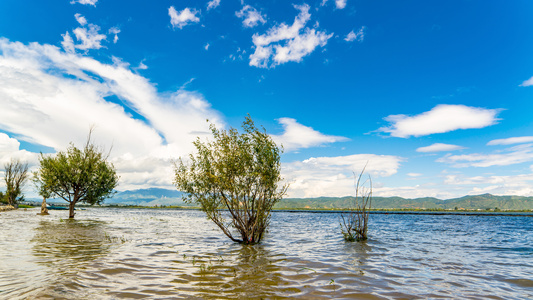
(435, 96)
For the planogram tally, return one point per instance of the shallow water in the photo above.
(173, 254)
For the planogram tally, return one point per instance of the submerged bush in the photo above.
(76, 175)
(234, 179)
(354, 224)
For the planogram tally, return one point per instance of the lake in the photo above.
(111, 253)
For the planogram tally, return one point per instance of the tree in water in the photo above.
(234, 179)
(354, 224)
(16, 175)
(76, 175)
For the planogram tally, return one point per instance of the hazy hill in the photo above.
(485, 201)
(148, 197)
(158, 196)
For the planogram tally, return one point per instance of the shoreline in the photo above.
(401, 211)
(525, 213)
(4, 208)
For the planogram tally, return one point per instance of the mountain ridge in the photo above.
(161, 196)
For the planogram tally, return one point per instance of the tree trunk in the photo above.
(44, 210)
(71, 210)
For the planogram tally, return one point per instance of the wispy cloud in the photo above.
(115, 31)
(359, 36)
(213, 4)
(340, 4)
(297, 136)
(439, 147)
(414, 174)
(528, 82)
(334, 176)
(81, 19)
(520, 185)
(87, 36)
(48, 98)
(511, 156)
(182, 18)
(511, 140)
(440, 119)
(251, 16)
(283, 43)
(411, 192)
(85, 2)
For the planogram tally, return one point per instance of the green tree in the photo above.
(16, 175)
(234, 179)
(2, 198)
(76, 175)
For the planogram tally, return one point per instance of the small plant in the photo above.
(332, 283)
(354, 225)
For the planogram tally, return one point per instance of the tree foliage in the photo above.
(76, 175)
(3, 198)
(354, 224)
(16, 175)
(235, 180)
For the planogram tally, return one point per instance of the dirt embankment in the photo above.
(6, 208)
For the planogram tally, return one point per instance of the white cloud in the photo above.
(439, 147)
(284, 43)
(528, 82)
(115, 31)
(414, 174)
(85, 2)
(10, 149)
(412, 192)
(442, 118)
(334, 176)
(297, 136)
(141, 66)
(88, 36)
(50, 98)
(213, 4)
(514, 155)
(260, 58)
(206, 47)
(67, 43)
(81, 19)
(340, 4)
(519, 185)
(183, 18)
(251, 17)
(511, 140)
(359, 36)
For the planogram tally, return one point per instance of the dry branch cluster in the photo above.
(354, 224)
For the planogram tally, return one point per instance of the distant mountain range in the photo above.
(158, 196)
(484, 202)
(148, 197)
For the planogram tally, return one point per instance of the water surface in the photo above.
(174, 254)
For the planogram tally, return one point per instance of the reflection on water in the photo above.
(69, 242)
(242, 271)
(173, 254)
(66, 247)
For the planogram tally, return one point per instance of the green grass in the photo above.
(26, 206)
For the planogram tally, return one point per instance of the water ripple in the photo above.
(175, 254)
